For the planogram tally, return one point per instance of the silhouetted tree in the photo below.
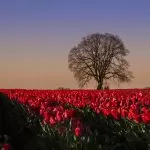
(101, 57)
(147, 87)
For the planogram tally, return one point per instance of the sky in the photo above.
(36, 37)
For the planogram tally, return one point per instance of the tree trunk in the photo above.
(100, 86)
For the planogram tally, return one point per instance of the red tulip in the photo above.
(52, 121)
(115, 114)
(59, 116)
(78, 131)
(146, 118)
(6, 147)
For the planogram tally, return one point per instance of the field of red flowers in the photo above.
(86, 116)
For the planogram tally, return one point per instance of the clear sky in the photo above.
(37, 35)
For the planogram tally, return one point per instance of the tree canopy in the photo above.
(101, 57)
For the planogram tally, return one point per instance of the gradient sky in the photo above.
(37, 35)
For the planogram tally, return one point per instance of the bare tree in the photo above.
(101, 57)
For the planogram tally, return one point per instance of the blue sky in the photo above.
(36, 32)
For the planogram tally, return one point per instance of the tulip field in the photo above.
(88, 119)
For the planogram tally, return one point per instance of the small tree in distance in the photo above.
(101, 57)
(62, 88)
